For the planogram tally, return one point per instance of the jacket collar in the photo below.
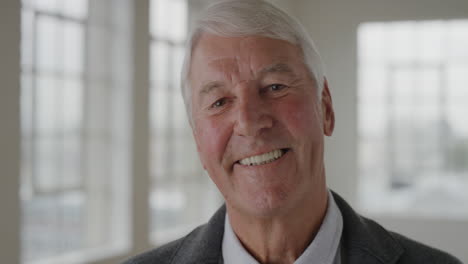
(363, 240)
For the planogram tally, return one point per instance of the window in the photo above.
(182, 195)
(75, 128)
(412, 109)
(77, 71)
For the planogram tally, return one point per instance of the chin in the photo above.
(267, 204)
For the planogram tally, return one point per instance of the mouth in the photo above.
(264, 158)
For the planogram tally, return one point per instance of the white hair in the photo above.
(238, 18)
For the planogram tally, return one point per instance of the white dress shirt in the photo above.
(324, 249)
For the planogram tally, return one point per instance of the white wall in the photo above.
(333, 26)
(9, 131)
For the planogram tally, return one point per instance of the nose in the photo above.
(253, 116)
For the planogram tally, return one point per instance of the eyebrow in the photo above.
(210, 86)
(275, 68)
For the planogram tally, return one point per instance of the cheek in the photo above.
(211, 138)
(302, 118)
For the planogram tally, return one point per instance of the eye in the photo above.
(276, 87)
(219, 103)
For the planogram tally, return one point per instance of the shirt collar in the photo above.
(233, 251)
(323, 249)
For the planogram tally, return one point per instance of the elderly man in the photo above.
(259, 106)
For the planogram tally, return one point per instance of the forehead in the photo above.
(216, 53)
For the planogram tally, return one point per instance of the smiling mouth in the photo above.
(263, 158)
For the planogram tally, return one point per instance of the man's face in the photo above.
(258, 123)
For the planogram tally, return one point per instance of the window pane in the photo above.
(49, 50)
(427, 84)
(47, 164)
(401, 40)
(373, 121)
(160, 63)
(73, 48)
(457, 78)
(373, 82)
(48, 96)
(72, 112)
(458, 40)
(71, 175)
(403, 82)
(178, 13)
(159, 17)
(169, 19)
(429, 36)
(184, 149)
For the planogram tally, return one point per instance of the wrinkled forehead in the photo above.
(240, 55)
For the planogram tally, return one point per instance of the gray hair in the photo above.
(237, 18)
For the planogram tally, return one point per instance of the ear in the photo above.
(328, 115)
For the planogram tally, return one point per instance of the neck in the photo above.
(281, 238)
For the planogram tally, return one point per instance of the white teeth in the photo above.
(262, 159)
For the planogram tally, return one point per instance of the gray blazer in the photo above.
(363, 242)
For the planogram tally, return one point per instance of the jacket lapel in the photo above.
(363, 240)
(206, 243)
